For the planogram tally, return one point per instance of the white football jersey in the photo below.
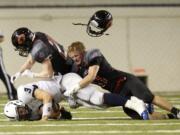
(26, 94)
(92, 94)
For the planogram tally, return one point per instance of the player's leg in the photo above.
(140, 90)
(101, 98)
(11, 90)
(96, 97)
(152, 114)
(53, 88)
(166, 105)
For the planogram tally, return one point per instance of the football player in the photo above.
(11, 90)
(42, 49)
(94, 68)
(38, 100)
(92, 96)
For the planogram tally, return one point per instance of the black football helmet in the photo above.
(22, 39)
(99, 23)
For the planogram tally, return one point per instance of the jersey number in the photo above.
(27, 90)
(30, 90)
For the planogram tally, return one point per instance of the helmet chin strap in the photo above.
(24, 54)
(82, 24)
(33, 37)
(89, 31)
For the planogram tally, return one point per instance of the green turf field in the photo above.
(93, 122)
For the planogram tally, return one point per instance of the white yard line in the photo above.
(82, 107)
(93, 124)
(88, 118)
(92, 132)
(93, 111)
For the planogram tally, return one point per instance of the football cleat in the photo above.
(178, 115)
(140, 107)
(145, 115)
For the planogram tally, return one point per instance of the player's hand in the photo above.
(71, 92)
(15, 77)
(72, 102)
(65, 115)
(28, 73)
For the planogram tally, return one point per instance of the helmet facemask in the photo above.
(23, 113)
(17, 110)
(93, 29)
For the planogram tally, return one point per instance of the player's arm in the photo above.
(47, 70)
(93, 69)
(46, 98)
(90, 77)
(51, 109)
(94, 65)
(27, 65)
(92, 72)
(41, 54)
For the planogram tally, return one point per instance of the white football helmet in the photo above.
(16, 110)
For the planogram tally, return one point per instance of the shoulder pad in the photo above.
(40, 51)
(91, 54)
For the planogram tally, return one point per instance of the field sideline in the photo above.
(93, 122)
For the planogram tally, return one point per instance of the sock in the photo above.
(175, 111)
(111, 99)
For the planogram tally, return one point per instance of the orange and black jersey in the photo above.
(44, 47)
(107, 77)
(112, 79)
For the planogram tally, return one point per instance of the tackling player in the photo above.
(92, 96)
(42, 49)
(94, 68)
(11, 90)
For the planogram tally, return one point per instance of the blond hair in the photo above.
(76, 46)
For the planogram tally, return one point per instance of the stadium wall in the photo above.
(145, 38)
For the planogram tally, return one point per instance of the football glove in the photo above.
(15, 77)
(71, 92)
(28, 73)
